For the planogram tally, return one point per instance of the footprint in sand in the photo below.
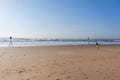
(68, 77)
(64, 63)
(49, 75)
(93, 59)
(85, 75)
(22, 70)
(27, 79)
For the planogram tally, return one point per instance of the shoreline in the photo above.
(60, 45)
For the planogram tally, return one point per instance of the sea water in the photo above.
(4, 42)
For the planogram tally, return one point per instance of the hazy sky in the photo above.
(60, 18)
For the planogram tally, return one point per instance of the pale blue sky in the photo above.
(60, 18)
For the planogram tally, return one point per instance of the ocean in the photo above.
(4, 42)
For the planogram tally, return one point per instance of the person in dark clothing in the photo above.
(10, 43)
(97, 45)
(10, 37)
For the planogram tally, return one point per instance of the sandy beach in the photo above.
(60, 63)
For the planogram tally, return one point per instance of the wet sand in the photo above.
(60, 63)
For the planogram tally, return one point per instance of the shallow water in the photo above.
(50, 42)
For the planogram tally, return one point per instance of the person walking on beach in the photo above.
(97, 45)
(10, 43)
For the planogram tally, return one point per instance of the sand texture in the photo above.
(60, 63)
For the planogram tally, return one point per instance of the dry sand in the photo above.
(60, 63)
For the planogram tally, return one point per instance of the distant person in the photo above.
(10, 37)
(97, 45)
(88, 40)
(11, 42)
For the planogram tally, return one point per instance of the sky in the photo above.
(60, 18)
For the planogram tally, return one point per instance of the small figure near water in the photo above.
(97, 45)
(88, 40)
(11, 42)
